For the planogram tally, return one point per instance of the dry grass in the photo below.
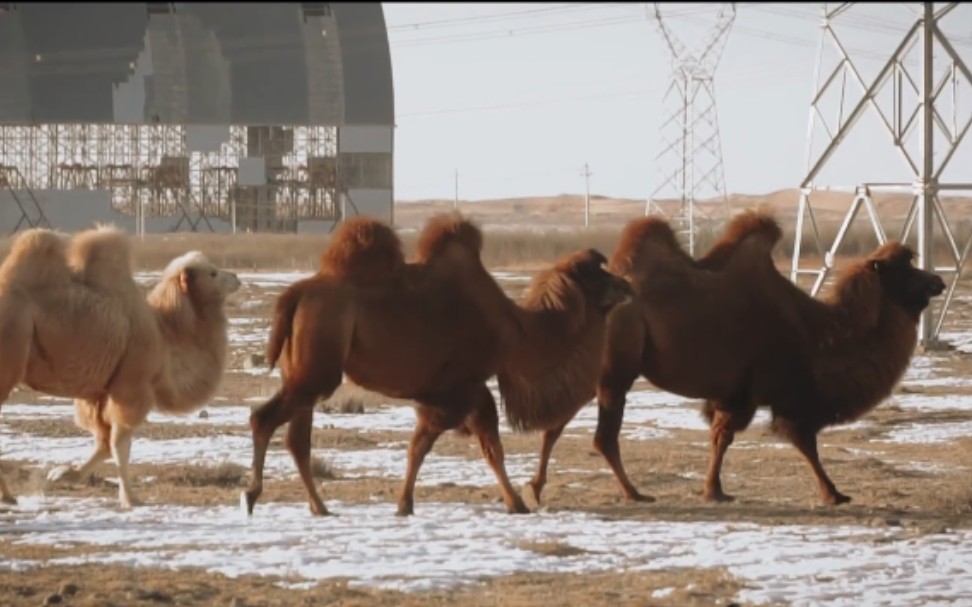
(225, 475)
(349, 398)
(520, 248)
(321, 470)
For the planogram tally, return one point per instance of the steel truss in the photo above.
(151, 172)
(689, 165)
(926, 206)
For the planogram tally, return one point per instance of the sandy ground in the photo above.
(568, 209)
(914, 489)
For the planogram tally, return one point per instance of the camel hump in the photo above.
(102, 257)
(444, 229)
(756, 228)
(37, 257)
(639, 233)
(363, 249)
(753, 222)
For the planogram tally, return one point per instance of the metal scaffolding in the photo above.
(150, 171)
(926, 166)
(689, 165)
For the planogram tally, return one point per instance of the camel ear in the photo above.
(186, 278)
(593, 263)
(598, 260)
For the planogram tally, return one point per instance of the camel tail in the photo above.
(283, 323)
(446, 228)
(363, 250)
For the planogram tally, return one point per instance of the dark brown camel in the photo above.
(577, 380)
(744, 336)
(433, 331)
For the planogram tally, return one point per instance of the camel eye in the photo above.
(212, 273)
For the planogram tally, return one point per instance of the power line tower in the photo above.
(908, 106)
(690, 174)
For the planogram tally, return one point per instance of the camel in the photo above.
(75, 324)
(432, 330)
(578, 380)
(740, 335)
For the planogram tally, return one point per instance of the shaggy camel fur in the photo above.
(577, 379)
(74, 323)
(432, 331)
(744, 336)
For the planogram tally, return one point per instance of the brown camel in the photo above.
(74, 323)
(577, 380)
(433, 331)
(743, 336)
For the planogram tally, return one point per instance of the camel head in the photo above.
(199, 279)
(602, 289)
(910, 287)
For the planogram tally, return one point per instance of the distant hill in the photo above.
(564, 211)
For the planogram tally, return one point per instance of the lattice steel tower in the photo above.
(917, 98)
(690, 175)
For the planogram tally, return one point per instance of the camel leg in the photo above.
(610, 415)
(806, 443)
(6, 496)
(540, 478)
(726, 418)
(423, 438)
(16, 330)
(721, 435)
(102, 452)
(298, 442)
(264, 421)
(484, 422)
(127, 406)
(121, 449)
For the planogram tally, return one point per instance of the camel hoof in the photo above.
(836, 499)
(518, 507)
(248, 500)
(320, 511)
(719, 497)
(64, 473)
(245, 508)
(535, 491)
(404, 511)
(130, 504)
(9, 500)
(633, 495)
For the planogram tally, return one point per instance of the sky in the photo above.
(517, 98)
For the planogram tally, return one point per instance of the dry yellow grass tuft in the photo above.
(524, 234)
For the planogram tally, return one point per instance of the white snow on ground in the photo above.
(929, 433)
(383, 462)
(933, 402)
(438, 547)
(923, 372)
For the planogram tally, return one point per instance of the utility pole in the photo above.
(455, 198)
(587, 195)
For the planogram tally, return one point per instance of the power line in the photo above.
(738, 78)
(517, 31)
(460, 21)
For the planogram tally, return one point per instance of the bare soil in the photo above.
(920, 487)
